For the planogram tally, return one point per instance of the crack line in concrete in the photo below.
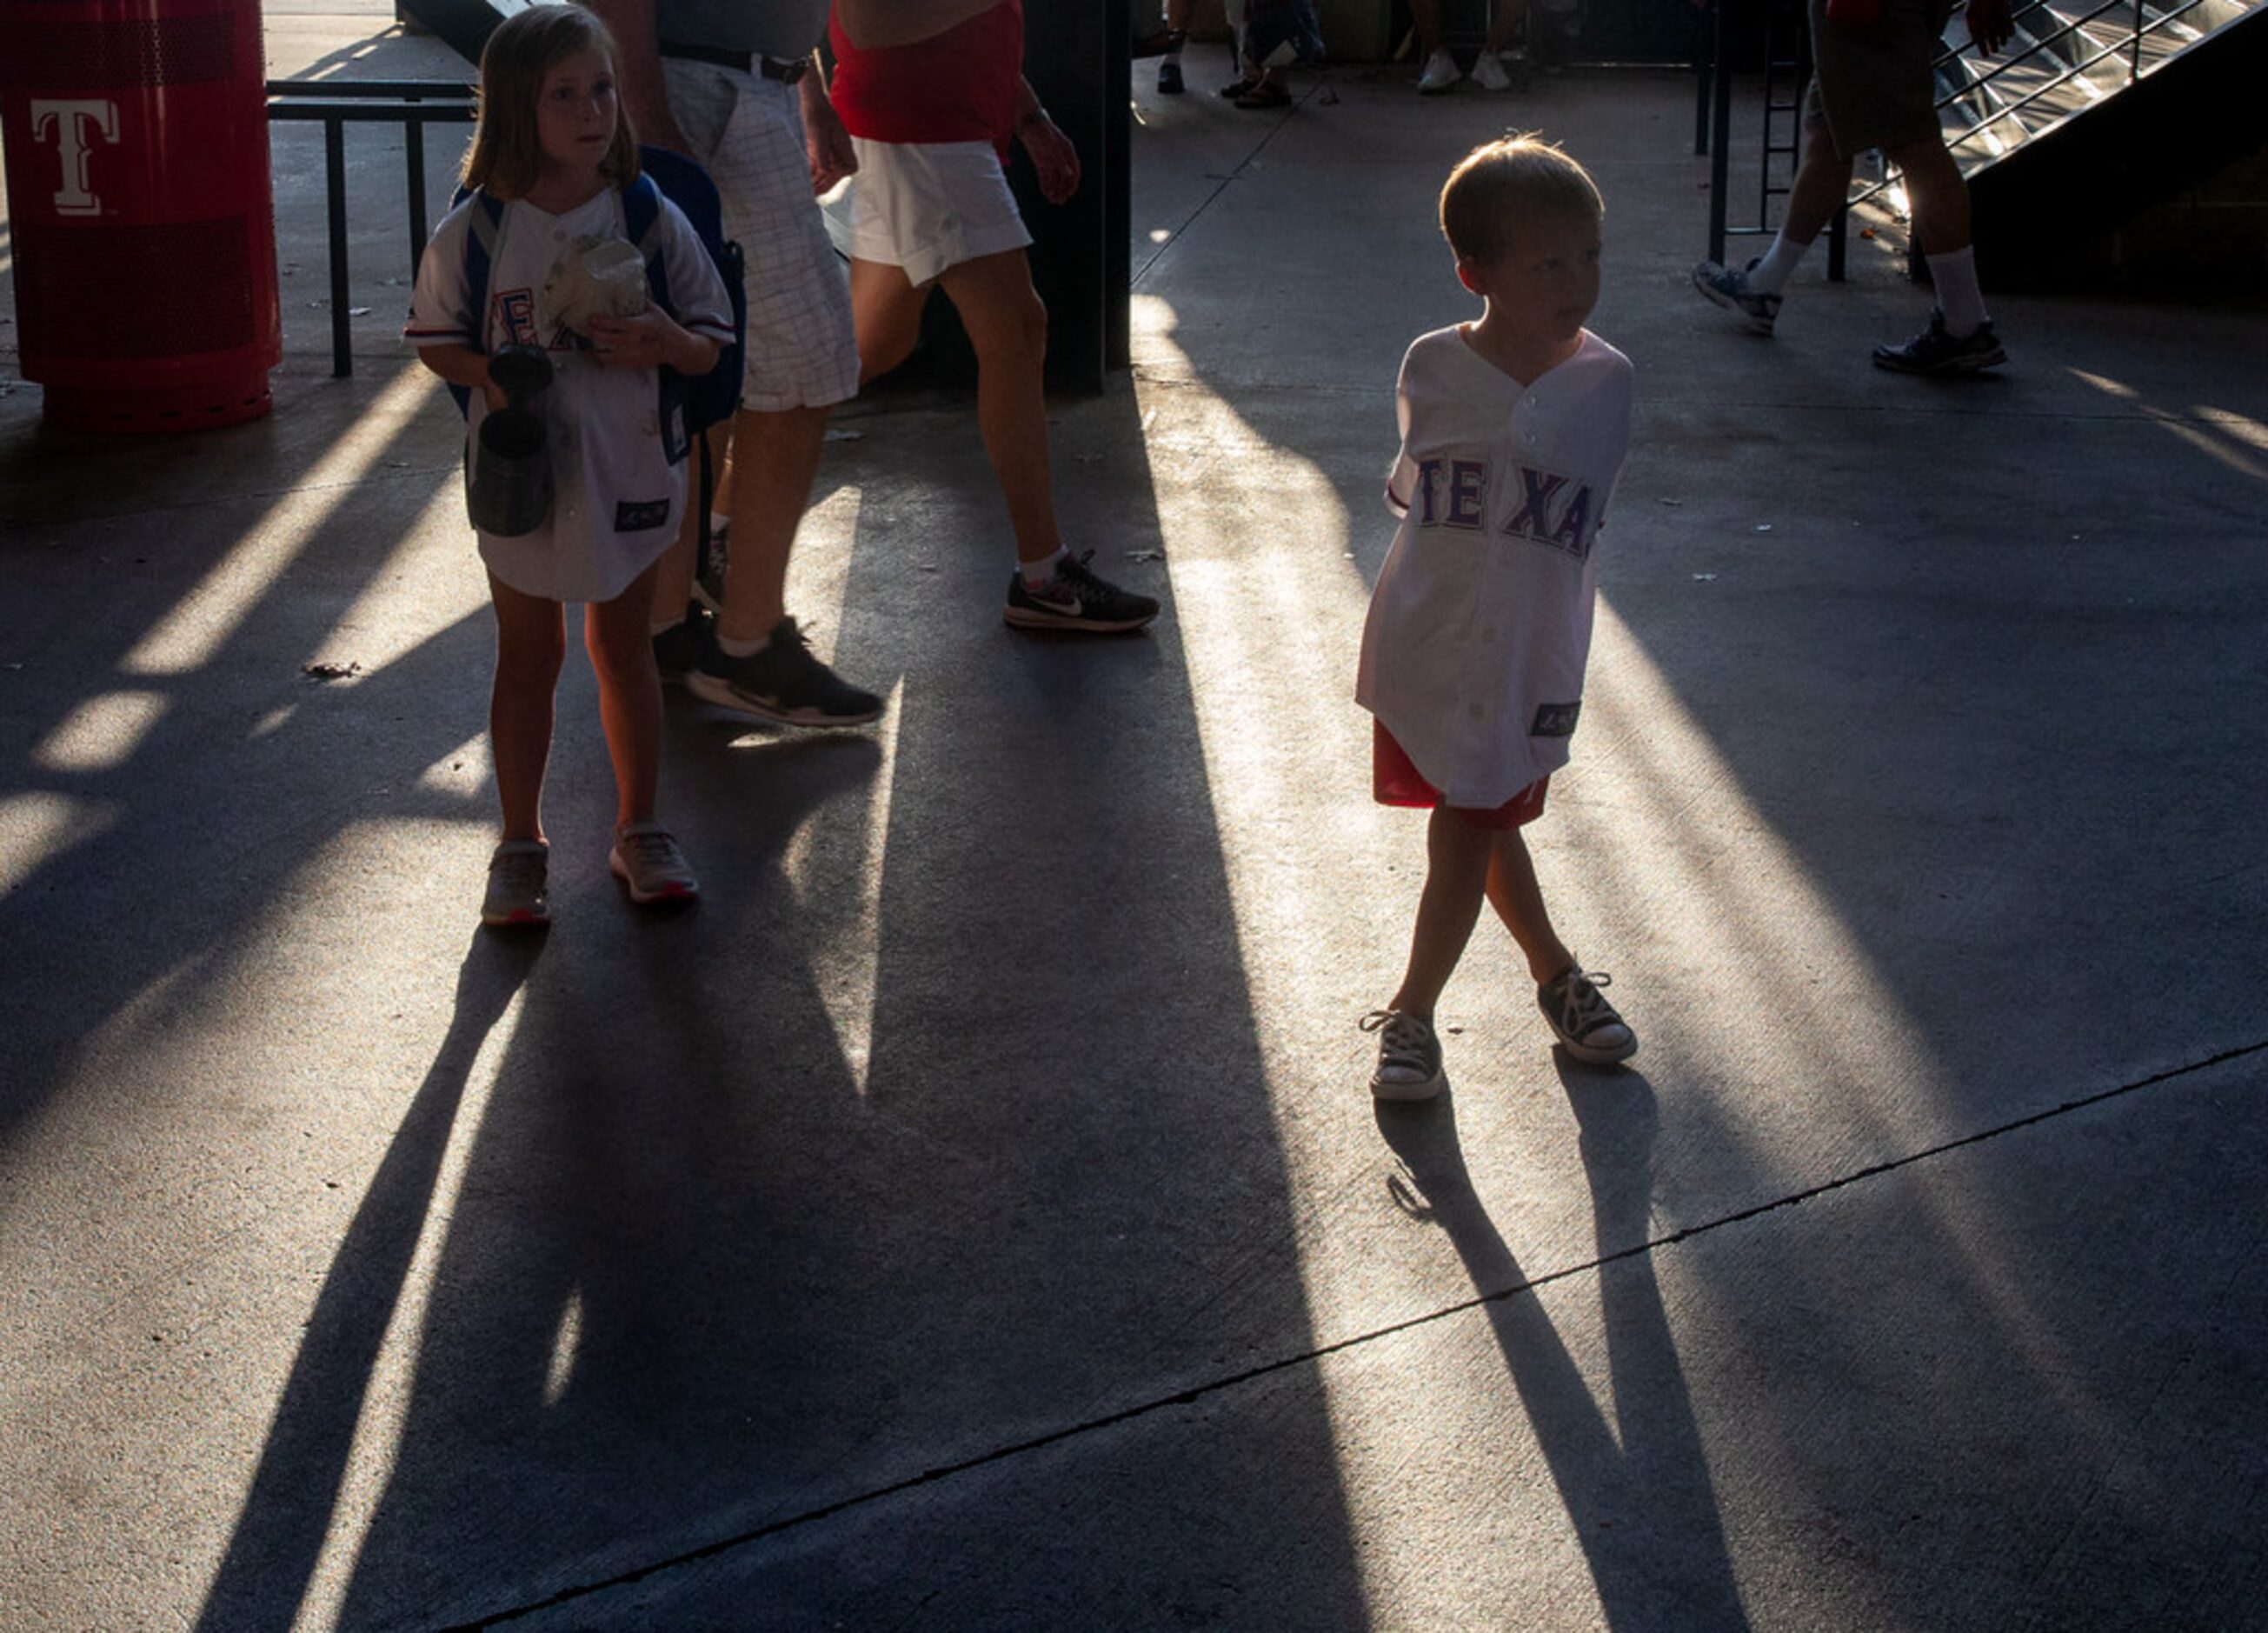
(1191, 1395)
(1211, 199)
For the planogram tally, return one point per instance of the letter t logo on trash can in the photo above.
(71, 121)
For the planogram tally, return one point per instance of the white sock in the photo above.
(1771, 273)
(1038, 572)
(1955, 275)
(732, 648)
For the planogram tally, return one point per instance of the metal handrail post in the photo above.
(1720, 126)
(335, 178)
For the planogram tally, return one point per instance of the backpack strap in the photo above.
(486, 225)
(642, 223)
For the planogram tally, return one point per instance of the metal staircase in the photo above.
(2096, 111)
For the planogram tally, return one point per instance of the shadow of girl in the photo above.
(1638, 1489)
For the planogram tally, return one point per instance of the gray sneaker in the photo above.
(651, 866)
(517, 876)
(1582, 1018)
(1409, 1056)
(1730, 289)
(1934, 352)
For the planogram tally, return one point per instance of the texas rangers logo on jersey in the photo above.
(1541, 507)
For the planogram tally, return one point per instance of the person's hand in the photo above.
(1992, 24)
(1053, 156)
(632, 341)
(832, 156)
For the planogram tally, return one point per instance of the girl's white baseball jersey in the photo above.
(1480, 625)
(616, 498)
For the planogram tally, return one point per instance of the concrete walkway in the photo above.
(973, 1215)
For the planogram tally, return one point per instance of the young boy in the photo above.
(1512, 433)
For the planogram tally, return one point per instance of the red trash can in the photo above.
(139, 205)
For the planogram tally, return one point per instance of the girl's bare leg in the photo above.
(630, 693)
(530, 644)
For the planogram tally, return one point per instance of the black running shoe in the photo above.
(784, 683)
(1170, 76)
(1076, 599)
(677, 650)
(1934, 352)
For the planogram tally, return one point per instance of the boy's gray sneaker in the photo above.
(784, 683)
(1409, 1056)
(518, 873)
(1582, 1018)
(1934, 352)
(646, 859)
(1730, 289)
(1077, 598)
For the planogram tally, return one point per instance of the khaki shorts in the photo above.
(1871, 83)
(924, 207)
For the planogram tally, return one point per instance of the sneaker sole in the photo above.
(1959, 365)
(1398, 1092)
(520, 919)
(1717, 296)
(1591, 1056)
(1033, 618)
(725, 695)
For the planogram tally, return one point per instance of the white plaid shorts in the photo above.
(748, 132)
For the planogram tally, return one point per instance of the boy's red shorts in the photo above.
(1396, 781)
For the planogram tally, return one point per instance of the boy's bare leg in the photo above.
(1518, 898)
(531, 646)
(630, 693)
(1007, 325)
(1457, 874)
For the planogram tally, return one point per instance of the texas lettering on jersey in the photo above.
(1539, 505)
(515, 318)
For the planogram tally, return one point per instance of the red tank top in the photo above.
(960, 86)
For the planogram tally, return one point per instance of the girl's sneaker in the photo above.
(646, 859)
(1583, 1019)
(1077, 598)
(1409, 1056)
(517, 876)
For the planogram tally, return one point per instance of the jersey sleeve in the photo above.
(440, 307)
(697, 294)
(1401, 478)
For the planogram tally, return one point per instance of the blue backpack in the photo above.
(690, 404)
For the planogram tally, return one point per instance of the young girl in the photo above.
(553, 146)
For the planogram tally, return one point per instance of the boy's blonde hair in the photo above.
(1501, 186)
(506, 156)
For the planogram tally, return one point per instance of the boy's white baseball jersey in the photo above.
(1480, 625)
(616, 498)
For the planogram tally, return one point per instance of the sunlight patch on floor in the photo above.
(101, 732)
(38, 827)
(185, 638)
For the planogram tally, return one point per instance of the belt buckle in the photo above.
(787, 73)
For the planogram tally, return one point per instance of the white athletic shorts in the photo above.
(925, 206)
(748, 132)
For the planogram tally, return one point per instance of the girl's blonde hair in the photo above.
(1502, 185)
(506, 156)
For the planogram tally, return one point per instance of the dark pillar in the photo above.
(1076, 56)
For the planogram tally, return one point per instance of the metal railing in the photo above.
(413, 104)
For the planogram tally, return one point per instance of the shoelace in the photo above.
(523, 870)
(1402, 1039)
(650, 850)
(1582, 1006)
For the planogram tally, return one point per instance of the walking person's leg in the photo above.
(646, 855)
(531, 646)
